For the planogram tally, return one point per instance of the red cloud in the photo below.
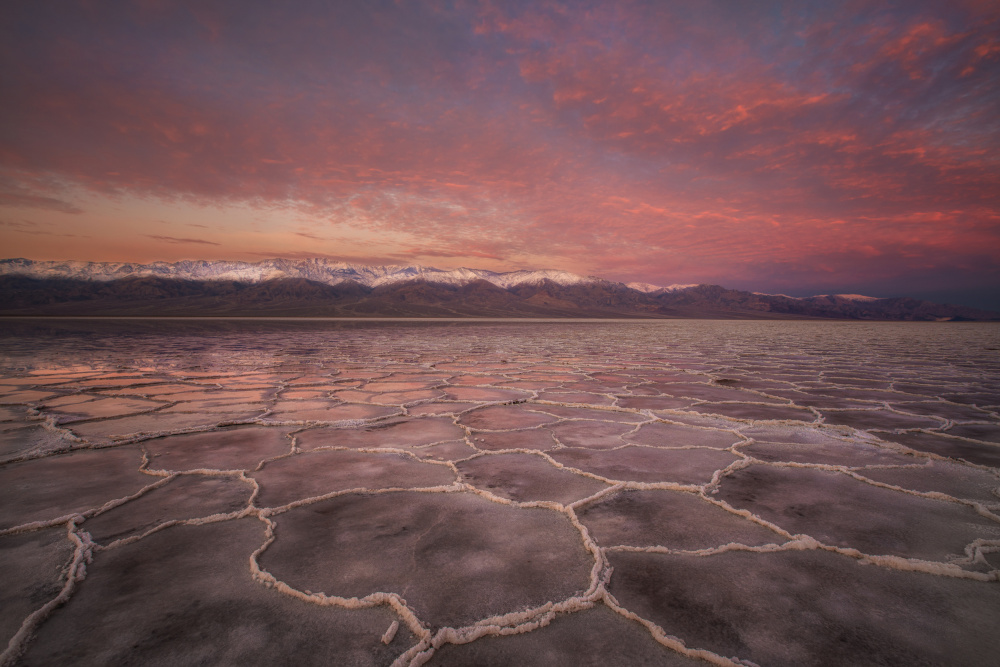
(674, 141)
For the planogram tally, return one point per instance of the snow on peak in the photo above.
(524, 277)
(649, 288)
(316, 269)
(784, 296)
(845, 297)
(856, 297)
(828, 297)
(330, 272)
(643, 287)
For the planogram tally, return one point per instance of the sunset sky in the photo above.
(798, 147)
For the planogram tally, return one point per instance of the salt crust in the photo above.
(490, 392)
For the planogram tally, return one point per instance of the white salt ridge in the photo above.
(390, 633)
(76, 572)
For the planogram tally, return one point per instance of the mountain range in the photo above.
(323, 288)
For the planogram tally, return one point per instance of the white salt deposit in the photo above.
(590, 465)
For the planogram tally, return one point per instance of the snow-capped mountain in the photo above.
(323, 288)
(647, 288)
(848, 297)
(316, 269)
(832, 298)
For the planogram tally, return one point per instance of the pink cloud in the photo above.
(173, 239)
(659, 141)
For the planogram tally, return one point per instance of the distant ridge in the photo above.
(323, 288)
(316, 269)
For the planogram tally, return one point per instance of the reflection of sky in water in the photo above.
(911, 349)
(540, 461)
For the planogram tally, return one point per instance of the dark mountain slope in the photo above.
(299, 297)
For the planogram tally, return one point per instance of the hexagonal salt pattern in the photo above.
(496, 493)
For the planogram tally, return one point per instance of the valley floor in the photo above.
(495, 493)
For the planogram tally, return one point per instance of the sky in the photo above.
(795, 147)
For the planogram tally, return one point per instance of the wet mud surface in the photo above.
(497, 493)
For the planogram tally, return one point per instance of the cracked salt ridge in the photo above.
(983, 548)
(180, 589)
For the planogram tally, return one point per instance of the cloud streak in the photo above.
(173, 239)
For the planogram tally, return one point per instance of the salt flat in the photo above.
(494, 493)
